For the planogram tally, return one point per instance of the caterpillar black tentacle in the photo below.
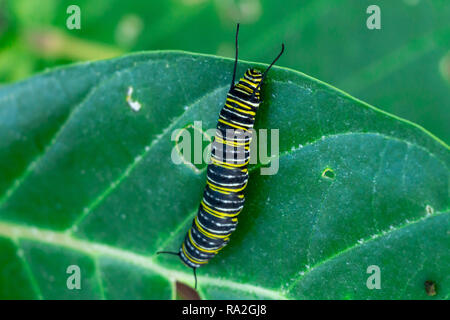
(227, 174)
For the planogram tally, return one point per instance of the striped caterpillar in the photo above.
(227, 174)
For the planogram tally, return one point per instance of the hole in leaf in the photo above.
(328, 173)
(444, 67)
(430, 287)
(429, 209)
(185, 292)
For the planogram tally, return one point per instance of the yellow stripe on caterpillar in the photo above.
(228, 189)
(199, 248)
(232, 165)
(240, 110)
(208, 234)
(190, 258)
(238, 103)
(233, 125)
(245, 88)
(219, 213)
(235, 143)
(249, 82)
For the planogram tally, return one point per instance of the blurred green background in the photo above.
(404, 68)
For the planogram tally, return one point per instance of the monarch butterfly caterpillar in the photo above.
(227, 174)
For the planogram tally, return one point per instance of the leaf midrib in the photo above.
(17, 232)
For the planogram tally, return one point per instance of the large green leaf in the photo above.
(87, 181)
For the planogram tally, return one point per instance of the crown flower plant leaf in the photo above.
(86, 179)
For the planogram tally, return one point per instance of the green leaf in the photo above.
(86, 180)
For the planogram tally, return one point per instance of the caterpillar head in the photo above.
(253, 75)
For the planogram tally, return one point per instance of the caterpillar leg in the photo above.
(195, 277)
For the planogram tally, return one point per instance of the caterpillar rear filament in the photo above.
(227, 174)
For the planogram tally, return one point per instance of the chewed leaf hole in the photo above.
(444, 67)
(193, 147)
(134, 105)
(328, 173)
(430, 287)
